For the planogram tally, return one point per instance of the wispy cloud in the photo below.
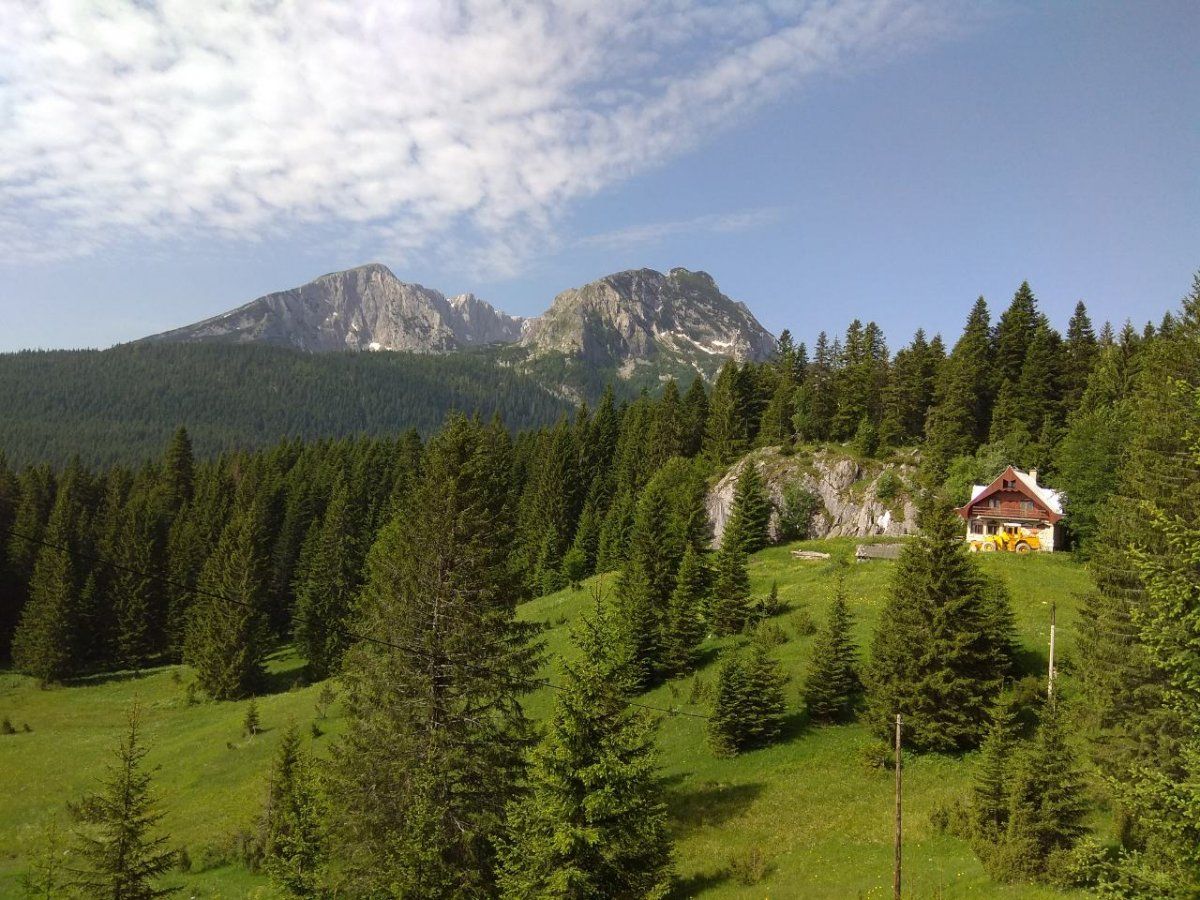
(416, 127)
(652, 232)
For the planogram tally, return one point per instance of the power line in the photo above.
(340, 629)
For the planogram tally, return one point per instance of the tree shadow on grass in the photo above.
(795, 725)
(695, 885)
(709, 804)
(283, 674)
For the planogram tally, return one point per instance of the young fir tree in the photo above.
(136, 589)
(435, 734)
(750, 513)
(993, 773)
(1047, 801)
(748, 705)
(943, 642)
(293, 821)
(729, 604)
(227, 628)
(832, 685)
(593, 821)
(120, 856)
(326, 592)
(683, 628)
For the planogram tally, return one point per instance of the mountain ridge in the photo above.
(619, 321)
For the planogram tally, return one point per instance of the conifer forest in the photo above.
(280, 648)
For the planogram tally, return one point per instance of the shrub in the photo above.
(750, 866)
(6, 726)
(771, 634)
(888, 486)
(803, 623)
(796, 509)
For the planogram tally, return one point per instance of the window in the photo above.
(994, 502)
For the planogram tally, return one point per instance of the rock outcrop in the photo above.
(848, 493)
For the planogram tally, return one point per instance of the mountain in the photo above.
(365, 308)
(639, 322)
(642, 317)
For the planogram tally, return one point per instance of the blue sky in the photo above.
(871, 158)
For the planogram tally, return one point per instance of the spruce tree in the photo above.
(1080, 354)
(695, 416)
(729, 605)
(46, 642)
(832, 684)
(293, 821)
(435, 734)
(329, 586)
(726, 433)
(227, 627)
(137, 587)
(593, 822)
(179, 470)
(994, 770)
(683, 628)
(121, 857)
(1014, 333)
(942, 646)
(1047, 799)
(750, 513)
(748, 705)
(775, 429)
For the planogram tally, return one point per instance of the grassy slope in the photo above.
(821, 816)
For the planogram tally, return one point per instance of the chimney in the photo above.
(1033, 475)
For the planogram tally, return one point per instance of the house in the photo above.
(1014, 512)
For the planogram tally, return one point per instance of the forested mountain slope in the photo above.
(121, 405)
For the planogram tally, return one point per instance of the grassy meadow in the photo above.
(811, 810)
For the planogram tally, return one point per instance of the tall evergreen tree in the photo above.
(683, 628)
(435, 734)
(729, 605)
(179, 470)
(695, 417)
(227, 627)
(942, 645)
(726, 434)
(593, 823)
(139, 603)
(1079, 352)
(832, 683)
(122, 857)
(330, 583)
(46, 642)
(750, 513)
(1014, 333)
(994, 771)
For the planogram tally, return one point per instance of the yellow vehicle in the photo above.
(1011, 537)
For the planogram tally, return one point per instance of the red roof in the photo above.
(1008, 480)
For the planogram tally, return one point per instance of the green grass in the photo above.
(811, 804)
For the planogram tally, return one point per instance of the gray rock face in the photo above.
(849, 495)
(367, 308)
(642, 314)
(622, 319)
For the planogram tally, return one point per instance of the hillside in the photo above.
(121, 405)
(818, 813)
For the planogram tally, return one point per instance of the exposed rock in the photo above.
(367, 308)
(643, 314)
(848, 493)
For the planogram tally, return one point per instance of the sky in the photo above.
(161, 162)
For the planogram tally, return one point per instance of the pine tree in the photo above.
(683, 628)
(121, 857)
(593, 823)
(227, 628)
(330, 583)
(1014, 333)
(748, 705)
(729, 605)
(832, 683)
(293, 839)
(750, 513)
(942, 645)
(435, 734)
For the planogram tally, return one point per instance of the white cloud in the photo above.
(408, 124)
(652, 232)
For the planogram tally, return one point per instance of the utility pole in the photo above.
(899, 831)
(1052, 671)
